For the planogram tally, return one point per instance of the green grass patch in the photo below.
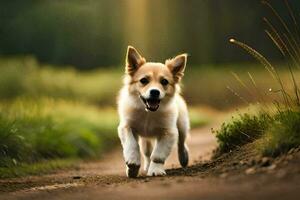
(42, 167)
(34, 130)
(24, 76)
(241, 130)
(101, 86)
(276, 133)
(282, 135)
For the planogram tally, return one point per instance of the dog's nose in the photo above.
(154, 93)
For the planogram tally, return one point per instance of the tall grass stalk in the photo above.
(267, 65)
(278, 132)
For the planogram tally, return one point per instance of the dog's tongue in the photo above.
(152, 105)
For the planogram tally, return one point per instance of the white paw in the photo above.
(156, 169)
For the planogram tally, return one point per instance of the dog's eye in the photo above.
(144, 81)
(164, 82)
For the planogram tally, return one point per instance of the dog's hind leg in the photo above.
(183, 153)
(146, 147)
(183, 130)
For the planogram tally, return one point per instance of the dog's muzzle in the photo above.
(152, 104)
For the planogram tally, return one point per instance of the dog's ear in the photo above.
(133, 60)
(177, 66)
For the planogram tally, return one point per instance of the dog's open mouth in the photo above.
(151, 104)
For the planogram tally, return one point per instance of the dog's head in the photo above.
(153, 83)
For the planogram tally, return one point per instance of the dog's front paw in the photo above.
(133, 163)
(132, 170)
(156, 169)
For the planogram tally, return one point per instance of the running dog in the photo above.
(152, 113)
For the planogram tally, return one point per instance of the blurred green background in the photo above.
(95, 33)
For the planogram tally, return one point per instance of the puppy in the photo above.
(152, 113)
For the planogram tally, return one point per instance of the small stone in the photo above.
(250, 170)
(272, 167)
(258, 159)
(76, 177)
(291, 151)
(265, 161)
(224, 175)
(242, 162)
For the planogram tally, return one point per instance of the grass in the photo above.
(100, 87)
(42, 167)
(45, 134)
(97, 87)
(279, 130)
(49, 114)
(241, 130)
(54, 113)
(34, 130)
(276, 134)
(282, 135)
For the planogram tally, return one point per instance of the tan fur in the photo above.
(168, 123)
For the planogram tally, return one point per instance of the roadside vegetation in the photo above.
(43, 129)
(277, 126)
(50, 118)
(25, 76)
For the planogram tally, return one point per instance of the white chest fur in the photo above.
(149, 124)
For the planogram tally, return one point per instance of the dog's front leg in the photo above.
(161, 151)
(131, 151)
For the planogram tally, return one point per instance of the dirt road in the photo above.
(106, 180)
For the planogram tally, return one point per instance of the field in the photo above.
(24, 76)
(49, 113)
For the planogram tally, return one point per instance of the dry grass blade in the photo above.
(260, 95)
(267, 65)
(297, 62)
(274, 40)
(240, 81)
(292, 15)
(257, 56)
(283, 23)
(296, 88)
(236, 94)
(280, 43)
(244, 85)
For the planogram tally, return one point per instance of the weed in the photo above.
(241, 130)
(282, 135)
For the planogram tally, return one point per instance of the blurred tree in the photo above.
(91, 33)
